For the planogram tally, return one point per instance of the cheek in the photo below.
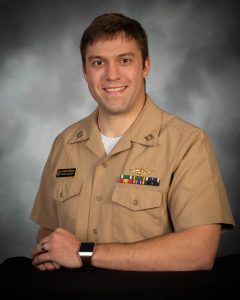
(135, 75)
(89, 75)
(91, 81)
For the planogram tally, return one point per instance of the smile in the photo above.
(115, 89)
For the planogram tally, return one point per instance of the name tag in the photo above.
(66, 172)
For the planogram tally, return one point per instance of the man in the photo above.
(131, 187)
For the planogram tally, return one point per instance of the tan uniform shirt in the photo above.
(95, 206)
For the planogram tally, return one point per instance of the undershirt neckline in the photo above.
(109, 142)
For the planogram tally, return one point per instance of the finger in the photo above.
(41, 258)
(49, 266)
(56, 265)
(39, 248)
(43, 247)
(41, 267)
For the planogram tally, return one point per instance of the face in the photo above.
(115, 76)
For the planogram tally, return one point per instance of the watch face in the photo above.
(85, 252)
(87, 247)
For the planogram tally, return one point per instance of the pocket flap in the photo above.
(137, 198)
(63, 191)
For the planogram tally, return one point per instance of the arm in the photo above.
(191, 249)
(42, 233)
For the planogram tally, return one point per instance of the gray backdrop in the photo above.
(195, 52)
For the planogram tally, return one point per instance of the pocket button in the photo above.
(135, 202)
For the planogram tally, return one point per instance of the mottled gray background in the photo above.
(195, 51)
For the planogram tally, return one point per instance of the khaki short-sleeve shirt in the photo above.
(82, 189)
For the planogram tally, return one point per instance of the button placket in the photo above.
(97, 198)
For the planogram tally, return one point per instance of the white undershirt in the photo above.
(109, 142)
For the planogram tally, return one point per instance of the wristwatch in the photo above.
(86, 252)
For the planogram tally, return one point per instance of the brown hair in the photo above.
(111, 25)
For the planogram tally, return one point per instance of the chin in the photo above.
(116, 110)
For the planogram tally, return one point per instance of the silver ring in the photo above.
(42, 247)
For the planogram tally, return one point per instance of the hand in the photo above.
(48, 266)
(60, 248)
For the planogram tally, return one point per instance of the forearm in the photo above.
(192, 249)
(43, 232)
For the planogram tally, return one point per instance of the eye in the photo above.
(98, 63)
(125, 61)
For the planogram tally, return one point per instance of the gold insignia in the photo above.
(79, 135)
(141, 171)
(149, 137)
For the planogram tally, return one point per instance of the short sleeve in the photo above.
(197, 194)
(44, 211)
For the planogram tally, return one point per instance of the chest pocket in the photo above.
(63, 191)
(66, 195)
(136, 212)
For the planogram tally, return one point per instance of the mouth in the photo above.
(115, 89)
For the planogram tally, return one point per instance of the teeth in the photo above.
(116, 89)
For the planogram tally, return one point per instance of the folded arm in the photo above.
(191, 249)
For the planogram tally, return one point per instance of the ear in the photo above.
(84, 71)
(146, 68)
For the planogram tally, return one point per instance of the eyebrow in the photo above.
(103, 58)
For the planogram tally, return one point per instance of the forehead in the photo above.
(113, 47)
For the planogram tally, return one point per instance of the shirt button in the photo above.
(135, 202)
(99, 198)
(95, 231)
(104, 165)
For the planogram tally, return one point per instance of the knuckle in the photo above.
(58, 230)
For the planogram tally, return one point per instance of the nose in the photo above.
(112, 72)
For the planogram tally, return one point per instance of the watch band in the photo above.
(85, 252)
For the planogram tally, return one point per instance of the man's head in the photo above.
(115, 64)
(110, 26)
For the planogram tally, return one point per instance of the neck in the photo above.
(115, 125)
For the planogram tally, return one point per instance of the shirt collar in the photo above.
(144, 130)
(85, 128)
